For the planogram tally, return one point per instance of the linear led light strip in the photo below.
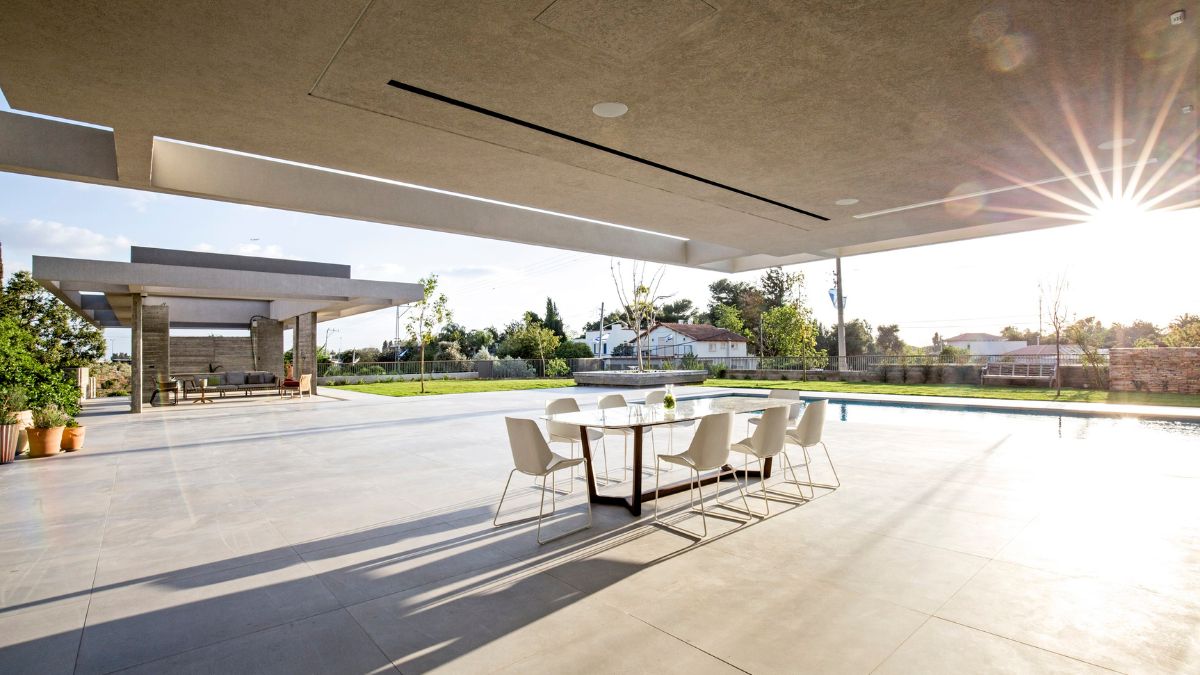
(414, 186)
(1019, 186)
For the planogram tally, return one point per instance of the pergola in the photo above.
(160, 289)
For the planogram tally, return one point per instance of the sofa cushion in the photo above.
(235, 378)
(262, 377)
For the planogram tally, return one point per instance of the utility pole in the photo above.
(841, 310)
(600, 335)
(396, 340)
(1039, 335)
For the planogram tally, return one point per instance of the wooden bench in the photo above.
(1019, 371)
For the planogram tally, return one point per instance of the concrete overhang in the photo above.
(751, 126)
(206, 290)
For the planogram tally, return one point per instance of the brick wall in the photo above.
(156, 346)
(263, 351)
(1165, 369)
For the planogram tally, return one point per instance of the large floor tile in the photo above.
(43, 641)
(130, 625)
(1109, 624)
(328, 643)
(943, 647)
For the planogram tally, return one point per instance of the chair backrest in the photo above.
(530, 452)
(772, 429)
(808, 432)
(788, 395)
(710, 445)
(611, 401)
(656, 397)
(562, 429)
(306, 382)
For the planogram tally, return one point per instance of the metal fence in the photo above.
(526, 368)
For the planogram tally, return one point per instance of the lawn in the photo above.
(970, 391)
(435, 387)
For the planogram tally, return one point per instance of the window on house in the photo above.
(712, 346)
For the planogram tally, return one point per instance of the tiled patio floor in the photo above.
(355, 536)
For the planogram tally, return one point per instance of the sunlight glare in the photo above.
(1118, 212)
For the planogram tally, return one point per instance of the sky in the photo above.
(1142, 268)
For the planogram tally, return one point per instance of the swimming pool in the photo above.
(1059, 425)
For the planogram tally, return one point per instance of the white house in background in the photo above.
(602, 344)
(701, 339)
(984, 344)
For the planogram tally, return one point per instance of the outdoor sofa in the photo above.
(234, 381)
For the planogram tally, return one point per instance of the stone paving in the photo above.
(355, 536)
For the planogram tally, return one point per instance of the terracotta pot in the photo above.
(8, 442)
(44, 442)
(72, 438)
(25, 419)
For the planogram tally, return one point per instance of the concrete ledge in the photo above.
(367, 379)
(654, 378)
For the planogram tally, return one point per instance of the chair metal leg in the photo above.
(808, 461)
(553, 509)
(496, 518)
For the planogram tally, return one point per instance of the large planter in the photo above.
(72, 438)
(44, 442)
(25, 420)
(8, 442)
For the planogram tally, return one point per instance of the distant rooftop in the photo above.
(974, 337)
(703, 332)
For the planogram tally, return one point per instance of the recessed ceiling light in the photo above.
(1109, 145)
(1177, 17)
(846, 202)
(610, 109)
(1188, 109)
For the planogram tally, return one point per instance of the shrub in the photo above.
(49, 416)
(508, 367)
(557, 368)
(373, 370)
(12, 401)
(573, 350)
(690, 362)
(20, 366)
(715, 370)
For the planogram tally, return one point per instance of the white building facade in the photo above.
(602, 343)
(984, 344)
(702, 340)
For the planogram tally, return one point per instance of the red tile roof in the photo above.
(702, 332)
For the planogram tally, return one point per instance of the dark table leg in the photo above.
(587, 464)
(635, 504)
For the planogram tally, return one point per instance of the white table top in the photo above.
(640, 415)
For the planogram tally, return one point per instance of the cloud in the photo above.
(470, 272)
(379, 272)
(48, 237)
(140, 199)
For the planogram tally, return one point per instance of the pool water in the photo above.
(1041, 424)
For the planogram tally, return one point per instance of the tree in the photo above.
(888, 340)
(937, 343)
(573, 350)
(1056, 309)
(728, 317)
(623, 349)
(640, 298)
(677, 311)
(1143, 332)
(1184, 331)
(480, 338)
(21, 367)
(609, 319)
(952, 354)
(62, 339)
(779, 288)
(726, 292)
(1090, 335)
(529, 340)
(553, 320)
(1015, 334)
(430, 312)
(787, 331)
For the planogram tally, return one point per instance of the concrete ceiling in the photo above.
(747, 120)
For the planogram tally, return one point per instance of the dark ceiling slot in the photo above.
(595, 146)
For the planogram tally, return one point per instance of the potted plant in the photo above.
(45, 436)
(72, 438)
(12, 403)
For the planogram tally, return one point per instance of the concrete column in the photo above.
(304, 350)
(136, 366)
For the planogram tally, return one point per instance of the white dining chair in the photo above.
(656, 397)
(807, 434)
(708, 450)
(532, 456)
(561, 432)
(793, 410)
(610, 401)
(768, 442)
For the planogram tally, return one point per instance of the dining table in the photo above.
(639, 417)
